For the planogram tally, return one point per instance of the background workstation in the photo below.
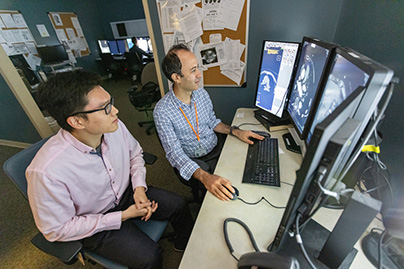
(373, 28)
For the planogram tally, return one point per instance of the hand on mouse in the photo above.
(217, 185)
(245, 136)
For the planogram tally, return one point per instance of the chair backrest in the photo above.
(15, 166)
(149, 74)
(144, 97)
(135, 62)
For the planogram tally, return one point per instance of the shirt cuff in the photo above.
(188, 170)
(113, 220)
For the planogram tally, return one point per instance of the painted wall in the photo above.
(374, 28)
(15, 125)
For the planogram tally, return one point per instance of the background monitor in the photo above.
(51, 55)
(143, 42)
(104, 48)
(122, 46)
(275, 73)
(313, 60)
(20, 63)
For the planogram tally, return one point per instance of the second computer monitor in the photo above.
(276, 70)
(313, 60)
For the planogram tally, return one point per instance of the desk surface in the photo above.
(207, 247)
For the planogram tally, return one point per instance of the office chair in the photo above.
(142, 99)
(68, 252)
(134, 65)
(112, 66)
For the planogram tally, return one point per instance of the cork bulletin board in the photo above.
(220, 46)
(15, 36)
(69, 32)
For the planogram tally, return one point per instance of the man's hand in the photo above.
(244, 135)
(217, 185)
(133, 211)
(141, 201)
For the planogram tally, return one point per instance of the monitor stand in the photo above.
(314, 237)
(268, 120)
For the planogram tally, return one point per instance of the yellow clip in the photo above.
(371, 148)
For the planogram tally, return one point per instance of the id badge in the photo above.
(200, 152)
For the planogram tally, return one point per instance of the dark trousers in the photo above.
(129, 245)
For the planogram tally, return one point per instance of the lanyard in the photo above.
(197, 125)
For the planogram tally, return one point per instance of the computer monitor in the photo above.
(122, 46)
(118, 46)
(52, 55)
(143, 42)
(276, 70)
(104, 48)
(362, 83)
(20, 63)
(313, 60)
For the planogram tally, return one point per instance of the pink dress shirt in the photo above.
(70, 187)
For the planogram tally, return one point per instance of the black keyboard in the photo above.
(262, 163)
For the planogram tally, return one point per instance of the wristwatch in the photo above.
(233, 128)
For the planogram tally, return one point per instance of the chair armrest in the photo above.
(132, 89)
(64, 251)
(149, 158)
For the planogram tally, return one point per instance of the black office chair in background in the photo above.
(134, 65)
(68, 252)
(144, 97)
(112, 66)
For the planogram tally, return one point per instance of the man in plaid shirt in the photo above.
(188, 128)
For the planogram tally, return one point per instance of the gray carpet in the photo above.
(16, 222)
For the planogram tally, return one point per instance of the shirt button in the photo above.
(113, 182)
(110, 170)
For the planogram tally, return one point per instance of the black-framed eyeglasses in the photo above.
(107, 109)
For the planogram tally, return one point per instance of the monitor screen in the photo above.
(104, 48)
(313, 60)
(113, 47)
(343, 79)
(143, 42)
(52, 54)
(122, 46)
(276, 69)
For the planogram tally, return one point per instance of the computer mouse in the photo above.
(262, 133)
(235, 193)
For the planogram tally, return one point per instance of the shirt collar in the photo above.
(80, 145)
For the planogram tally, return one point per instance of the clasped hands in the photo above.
(142, 207)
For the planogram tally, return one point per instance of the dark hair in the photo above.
(171, 64)
(66, 93)
(134, 40)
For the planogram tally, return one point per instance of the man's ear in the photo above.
(176, 77)
(75, 122)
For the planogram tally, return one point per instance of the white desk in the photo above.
(207, 247)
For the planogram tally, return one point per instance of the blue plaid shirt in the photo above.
(177, 137)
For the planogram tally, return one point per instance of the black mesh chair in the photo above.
(134, 65)
(111, 65)
(144, 97)
(69, 252)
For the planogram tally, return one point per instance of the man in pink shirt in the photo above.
(88, 181)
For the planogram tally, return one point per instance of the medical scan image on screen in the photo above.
(343, 79)
(276, 69)
(310, 68)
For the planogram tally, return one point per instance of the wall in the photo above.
(15, 125)
(374, 28)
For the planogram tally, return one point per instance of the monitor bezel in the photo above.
(292, 77)
(41, 50)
